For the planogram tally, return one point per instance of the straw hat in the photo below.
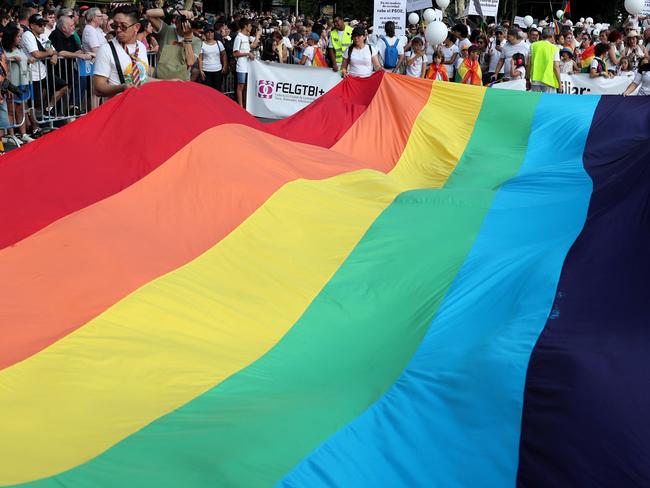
(633, 33)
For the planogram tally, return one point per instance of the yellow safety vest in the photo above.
(340, 45)
(541, 55)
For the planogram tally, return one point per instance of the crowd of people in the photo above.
(45, 49)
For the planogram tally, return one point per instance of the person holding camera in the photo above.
(179, 48)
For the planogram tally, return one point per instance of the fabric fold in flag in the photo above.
(390, 298)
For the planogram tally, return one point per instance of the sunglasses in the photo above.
(115, 26)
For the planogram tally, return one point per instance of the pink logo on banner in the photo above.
(265, 89)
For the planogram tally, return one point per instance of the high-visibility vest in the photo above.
(542, 54)
(340, 45)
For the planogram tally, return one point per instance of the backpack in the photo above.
(390, 54)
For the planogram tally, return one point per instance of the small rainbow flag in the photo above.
(319, 59)
(586, 58)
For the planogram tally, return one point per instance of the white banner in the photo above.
(583, 85)
(413, 5)
(520, 22)
(386, 10)
(580, 84)
(490, 8)
(279, 90)
(646, 9)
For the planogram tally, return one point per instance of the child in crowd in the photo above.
(415, 64)
(469, 71)
(568, 65)
(450, 53)
(437, 70)
(518, 67)
(598, 66)
(625, 67)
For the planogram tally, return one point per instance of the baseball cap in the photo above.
(313, 36)
(358, 31)
(37, 19)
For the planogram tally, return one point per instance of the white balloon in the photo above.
(559, 14)
(582, 20)
(589, 20)
(533, 26)
(429, 15)
(436, 32)
(598, 26)
(569, 23)
(634, 7)
(596, 32)
(414, 18)
(528, 21)
(442, 4)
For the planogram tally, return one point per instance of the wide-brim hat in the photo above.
(633, 33)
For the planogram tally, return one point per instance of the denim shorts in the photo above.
(4, 116)
(242, 78)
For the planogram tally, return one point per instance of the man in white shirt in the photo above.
(494, 51)
(93, 36)
(46, 91)
(514, 45)
(50, 16)
(110, 79)
(241, 51)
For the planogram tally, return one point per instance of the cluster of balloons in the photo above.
(436, 31)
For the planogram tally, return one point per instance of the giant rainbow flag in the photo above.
(406, 284)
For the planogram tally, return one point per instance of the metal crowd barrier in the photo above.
(64, 92)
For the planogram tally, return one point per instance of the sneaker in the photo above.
(26, 139)
(36, 133)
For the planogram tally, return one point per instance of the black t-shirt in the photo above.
(62, 43)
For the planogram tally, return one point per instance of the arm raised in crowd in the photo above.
(156, 16)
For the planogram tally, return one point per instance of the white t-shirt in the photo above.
(415, 69)
(92, 37)
(448, 53)
(595, 64)
(243, 45)
(566, 67)
(287, 43)
(520, 73)
(508, 50)
(29, 45)
(105, 64)
(212, 56)
(360, 61)
(308, 54)
(495, 55)
(381, 47)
